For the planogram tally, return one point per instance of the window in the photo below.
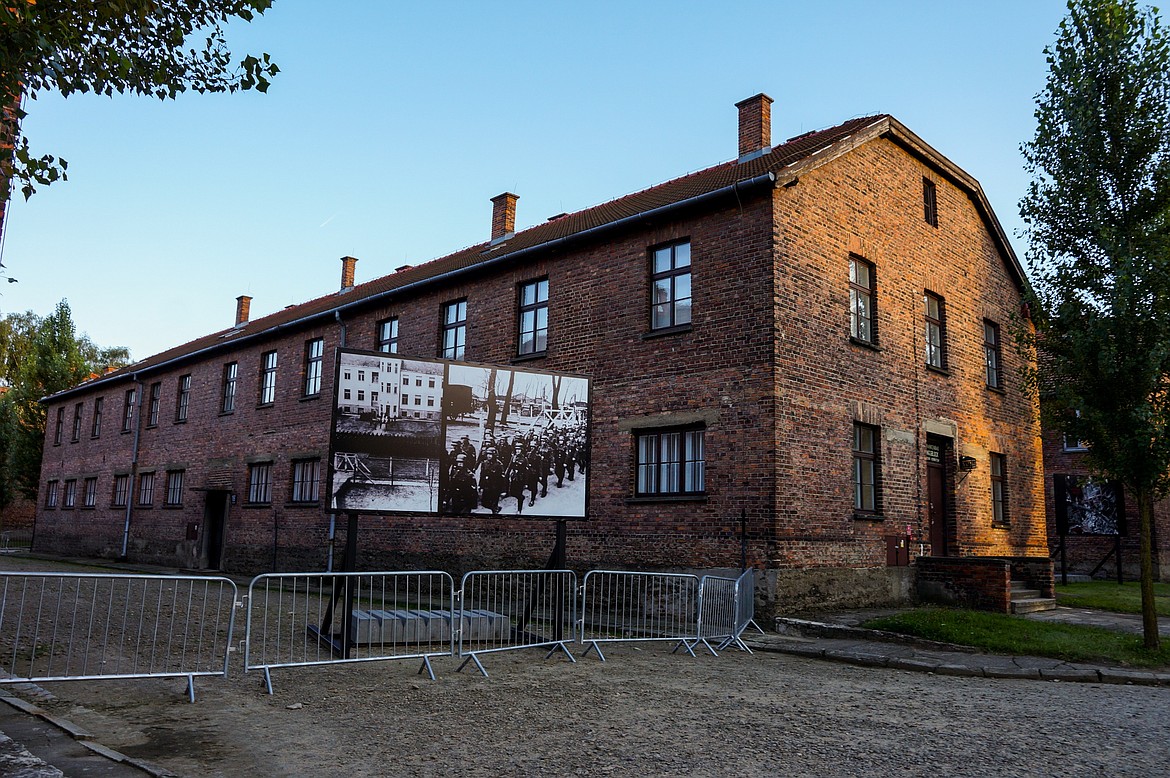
(936, 355)
(388, 335)
(70, 494)
(670, 300)
(155, 394)
(228, 396)
(314, 361)
(146, 489)
(174, 494)
(991, 354)
(929, 202)
(121, 490)
(534, 317)
(260, 482)
(454, 329)
(862, 320)
(76, 423)
(304, 480)
(89, 493)
(268, 378)
(1072, 444)
(51, 494)
(183, 399)
(96, 428)
(865, 468)
(128, 410)
(999, 506)
(60, 426)
(670, 462)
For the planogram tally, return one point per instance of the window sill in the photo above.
(176, 507)
(661, 333)
(996, 390)
(232, 412)
(940, 370)
(309, 397)
(1001, 525)
(256, 505)
(265, 405)
(126, 432)
(145, 507)
(88, 507)
(313, 504)
(151, 426)
(857, 516)
(180, 421)
(529, 357)
(652, 498)
(865, 344)
(67, 507)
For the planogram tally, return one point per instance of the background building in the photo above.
(807, 342)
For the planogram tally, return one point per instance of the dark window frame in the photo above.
(387, 335)
(867, 470)
(672, 274)
(453, 334)
(59, 434)
(314, 366)
(99, 405)
(121, 492)
(173, 497)
(52, 493)
(268, 377)
(862, 301)
(993, 354)
(660, 472)
(89, 492)
(528, 317)
(260, 483)
(227, 393)
(182, 398)
(75, 435)
(997, 467)
(69, 498)
(146, 488)
(930, 202)
(128, 410)
(306, 481)
(155, 400)
(935, 332)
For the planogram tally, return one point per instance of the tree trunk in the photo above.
(490, 424)
(1146, 533)
(508, 398)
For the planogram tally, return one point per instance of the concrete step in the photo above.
(1024, 594)
(1033, 604)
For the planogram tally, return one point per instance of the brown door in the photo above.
(936, 481)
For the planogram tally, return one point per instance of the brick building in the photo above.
(822, 321)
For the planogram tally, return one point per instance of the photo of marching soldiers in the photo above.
(387, 434)
(516, 443)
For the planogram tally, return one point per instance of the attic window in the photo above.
(929, 202)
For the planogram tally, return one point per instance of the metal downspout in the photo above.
(133, 463)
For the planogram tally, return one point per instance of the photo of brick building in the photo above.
(809, 342)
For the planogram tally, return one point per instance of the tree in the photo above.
(1098, 215)
(147, 47)
(51, 357)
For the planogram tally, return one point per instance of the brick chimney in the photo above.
(755, 126)
(503, 216)
(243, 308)
(347, 268)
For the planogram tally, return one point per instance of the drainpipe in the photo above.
(332, 536)
(133, 463)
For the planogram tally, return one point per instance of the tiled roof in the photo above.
(672, 192)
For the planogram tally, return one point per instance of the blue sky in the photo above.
(392, 125)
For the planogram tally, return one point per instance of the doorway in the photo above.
(938, 454)
(214, 520)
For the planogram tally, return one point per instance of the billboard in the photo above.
(431, 436)
(1088, 506)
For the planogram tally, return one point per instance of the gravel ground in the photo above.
(644, 711)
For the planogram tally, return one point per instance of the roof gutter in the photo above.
(735, 188)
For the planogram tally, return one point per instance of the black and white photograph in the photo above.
(516, 443)
(1087, 506)
(387, 434)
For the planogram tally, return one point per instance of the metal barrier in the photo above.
(517, 609)
(726, 608)
(301, 619)
(90, 626)
(622, 606)
(13, 540)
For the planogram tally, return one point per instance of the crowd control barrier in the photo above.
(89, 626)
(621, 606)
(301, 619)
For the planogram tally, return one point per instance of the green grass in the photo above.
(999, 633)
(1112, 596)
